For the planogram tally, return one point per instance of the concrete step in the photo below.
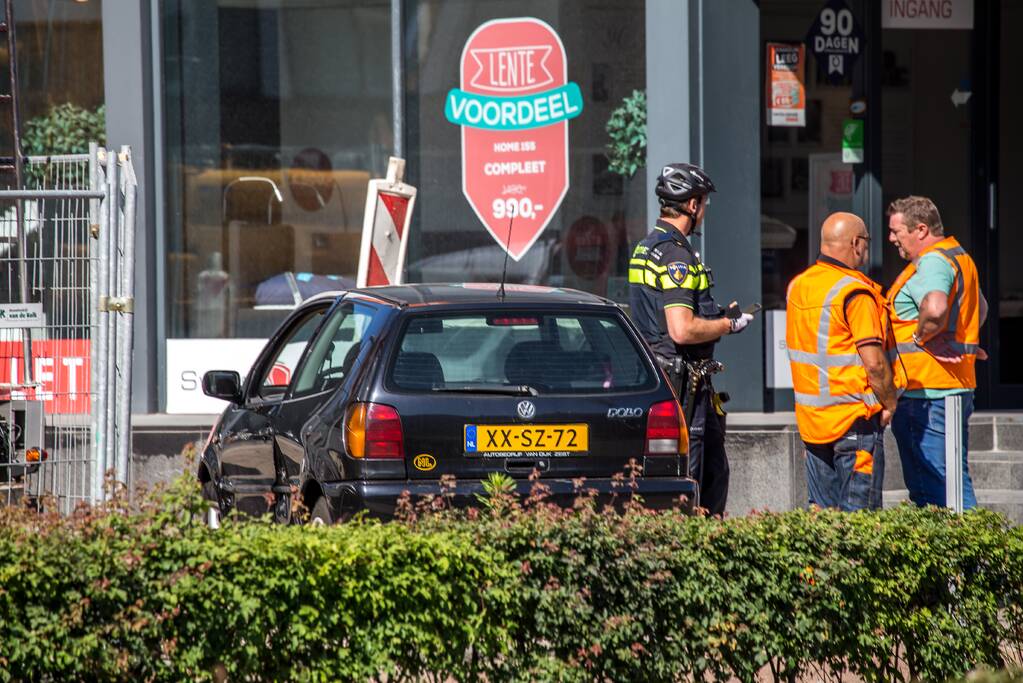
(1009, 502)
(997, 470)
(996, 432)
(988, 469)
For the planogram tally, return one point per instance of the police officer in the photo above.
(669, 292)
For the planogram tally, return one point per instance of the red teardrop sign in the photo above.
(513, 106)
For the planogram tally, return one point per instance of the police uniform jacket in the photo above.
(664, 271)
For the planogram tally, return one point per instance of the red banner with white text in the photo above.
(60, 371)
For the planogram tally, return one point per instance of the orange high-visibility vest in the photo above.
(961, 335)
(830, 382)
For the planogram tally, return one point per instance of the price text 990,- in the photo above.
(515, 206)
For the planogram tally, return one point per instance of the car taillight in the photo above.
(373, 430)
(666, 432)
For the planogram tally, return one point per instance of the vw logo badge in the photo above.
(526, 410)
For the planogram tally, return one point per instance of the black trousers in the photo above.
(708, 461)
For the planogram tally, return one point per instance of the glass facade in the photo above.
(1007, 304)
(276, 116)
(60, 60)
(802, 177)
(278, 113)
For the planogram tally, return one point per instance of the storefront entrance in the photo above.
(1005, 234)
(936, 101)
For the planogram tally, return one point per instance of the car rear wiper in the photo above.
(517, 390)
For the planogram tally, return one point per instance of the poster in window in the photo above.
(832, 183)
(786, 90)
(513, 106)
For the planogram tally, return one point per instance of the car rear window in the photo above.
(549, 352)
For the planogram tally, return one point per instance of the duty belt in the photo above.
(692, 373)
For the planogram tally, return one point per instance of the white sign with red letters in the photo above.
(923, 14)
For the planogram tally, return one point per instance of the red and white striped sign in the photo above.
(385, 228)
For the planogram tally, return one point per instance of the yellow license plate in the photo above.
(526, 438)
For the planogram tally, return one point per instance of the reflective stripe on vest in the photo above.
(816, 401)
(958, 348)
(822, 360)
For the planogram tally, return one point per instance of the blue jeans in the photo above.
(919, 429)
(847, 474)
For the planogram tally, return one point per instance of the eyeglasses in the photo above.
(865, 238)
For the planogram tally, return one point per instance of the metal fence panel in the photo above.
(71, 209)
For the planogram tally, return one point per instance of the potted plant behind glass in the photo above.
(65, 129)
(626, 154)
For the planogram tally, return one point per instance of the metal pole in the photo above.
(19, 215)
(100, 354)
(397, 78)
(125, 317)
(113, 221)
(954, 452)
(95, 465)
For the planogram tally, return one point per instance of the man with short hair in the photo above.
(672, 305)
(936, 309)
(845, 389)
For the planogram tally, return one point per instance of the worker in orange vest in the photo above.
(937, 310)
(838, 341)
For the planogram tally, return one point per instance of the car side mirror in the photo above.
(223, 384)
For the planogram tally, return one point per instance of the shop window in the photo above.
(276, 116)
(60, 62)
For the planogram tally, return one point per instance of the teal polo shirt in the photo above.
(933, 274)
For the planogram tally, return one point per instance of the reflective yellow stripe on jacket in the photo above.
(643, 271)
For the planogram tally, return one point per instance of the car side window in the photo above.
(278, 372)
(333, 354)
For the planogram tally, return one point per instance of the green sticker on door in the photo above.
(852, 141)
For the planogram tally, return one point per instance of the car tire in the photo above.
(320, 516)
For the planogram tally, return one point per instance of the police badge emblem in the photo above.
(677, 271)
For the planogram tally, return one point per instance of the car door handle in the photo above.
(520, 466)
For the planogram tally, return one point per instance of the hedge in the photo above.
(507, 593)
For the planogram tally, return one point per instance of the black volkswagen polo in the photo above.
(365, 394)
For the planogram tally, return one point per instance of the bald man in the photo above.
(838, 341)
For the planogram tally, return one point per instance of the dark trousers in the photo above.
(708, 462)
(847, 474)
(919, 429)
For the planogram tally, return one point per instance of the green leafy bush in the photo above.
(65, 129)
(627, 128)
(512, 593)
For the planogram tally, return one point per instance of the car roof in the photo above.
(477, 293)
